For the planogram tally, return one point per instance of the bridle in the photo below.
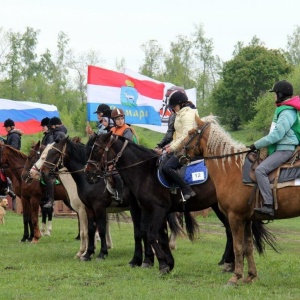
(59, 164)
(185, 157)
(106, 167)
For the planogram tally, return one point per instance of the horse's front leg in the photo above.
(158, 219)
(34, 203)
(248, 250)
(237, 228)
(102, 229)
(26, 220)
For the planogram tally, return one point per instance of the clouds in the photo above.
(118, 28)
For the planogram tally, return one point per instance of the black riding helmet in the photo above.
(177, 97)
(55, 121)
(283, 90)
(9, 123)
(45, 122)
(101, 108)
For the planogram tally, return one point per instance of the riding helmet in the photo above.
(283, 87)
(55, 121)
(177, 97)
(117, 112)
(45, 121)
(101, 108)
(9, 123)
(172, 89)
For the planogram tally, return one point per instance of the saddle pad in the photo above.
(285, 175)
(194, 173)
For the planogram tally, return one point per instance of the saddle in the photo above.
(283, 176)
(194, 173)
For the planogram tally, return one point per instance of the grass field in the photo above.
(49, 271)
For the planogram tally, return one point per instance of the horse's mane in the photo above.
(220, 140)
(136, 146)
(77, 151)
(16, 152)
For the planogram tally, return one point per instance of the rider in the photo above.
(168, 137)
(48, 136)
(102, 109)
(281, 141)
(14, 140)
(59, 132)
(122, 129)
(184, 121)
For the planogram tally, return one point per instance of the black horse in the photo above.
(137, 166)
(98, 201)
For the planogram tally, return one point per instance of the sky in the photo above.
(118, 28)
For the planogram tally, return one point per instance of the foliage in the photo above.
(244, 79)
(49, 271)
(293, 47)
(264, 107)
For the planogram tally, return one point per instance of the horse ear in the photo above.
(198, 121)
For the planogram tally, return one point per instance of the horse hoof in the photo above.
(227, 268)
(131, 265)
(85, 258)
(147, 265)
(165, 270)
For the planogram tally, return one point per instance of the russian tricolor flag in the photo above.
(26, 115)
(140, 99)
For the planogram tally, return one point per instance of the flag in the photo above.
(141, 99)
(163, 111)
(26, 115)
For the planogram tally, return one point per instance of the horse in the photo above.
(16, 165)
(225, 158)
(137, 166)
(96, 197)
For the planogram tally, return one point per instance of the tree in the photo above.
(293, 47)
(154, 54)
(244, 79)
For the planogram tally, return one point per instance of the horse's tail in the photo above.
(262, 236)
(191, 225)
(174, 224)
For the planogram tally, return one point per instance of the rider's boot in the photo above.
(50, 193)
(10, 191)
(266, 209)
(118, 188)
(187, 191)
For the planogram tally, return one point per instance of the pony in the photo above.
(137, 166)
(16, 165)
(224, 158)
(96, 197)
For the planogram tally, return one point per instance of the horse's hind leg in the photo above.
(248, 251)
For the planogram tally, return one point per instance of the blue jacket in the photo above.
(281, 135)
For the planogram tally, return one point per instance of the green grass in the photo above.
(48, 270)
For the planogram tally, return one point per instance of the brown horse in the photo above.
(225, 158)
(16, 166)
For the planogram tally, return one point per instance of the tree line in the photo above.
(235, 90)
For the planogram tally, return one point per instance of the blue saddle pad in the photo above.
(194, 173)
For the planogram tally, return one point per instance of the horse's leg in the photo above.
(148, 261)
(35, 205)
(227, 260)
(108, 236)
(158, 219)
(252, 272)
(26, 219)
(238, 229)
(136, 216)
(164, 242)
(91, 240)
(83, 221)
(102, 229)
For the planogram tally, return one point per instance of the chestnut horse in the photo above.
(16, 165)
(138, 167)
(224, 159)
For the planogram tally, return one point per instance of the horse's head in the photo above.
(190, 147)
(34, 155)
(99, 154)
(36, 167)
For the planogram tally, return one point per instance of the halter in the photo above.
(55, 166)
(199, 132)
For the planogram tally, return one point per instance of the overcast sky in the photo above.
(117, 28)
